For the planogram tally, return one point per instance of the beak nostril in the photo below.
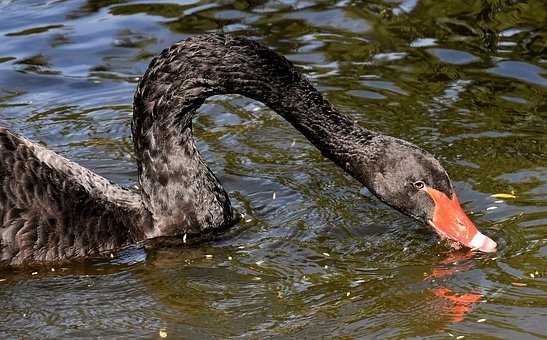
(462, 229)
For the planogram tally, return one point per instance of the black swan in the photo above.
(53, 209)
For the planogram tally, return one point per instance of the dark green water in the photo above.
(466, 80)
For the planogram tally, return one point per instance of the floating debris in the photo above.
(273, 196)
(184, 238)
(503, 195)
(326, 254)
(208, 256)
(348, 294)
(163, 333)
(229, 258)
(460, 337)
(450, 334)
(52, 269)
(248, 220)
(34, 273)
(491, 208)
(519, 284)
(2, 280)
(111, 255)
(326, 267)
(293, 143)
(481, 320)
(258, 263)
(241, 247)
(532, 275)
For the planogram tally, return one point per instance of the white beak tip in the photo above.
(483, 243)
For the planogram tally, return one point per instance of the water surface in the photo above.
(464, 80)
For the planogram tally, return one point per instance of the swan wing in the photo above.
(54, 209)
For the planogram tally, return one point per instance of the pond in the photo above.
(316, 254)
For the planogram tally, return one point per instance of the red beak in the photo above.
(451, 222)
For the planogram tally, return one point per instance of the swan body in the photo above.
(52, 209)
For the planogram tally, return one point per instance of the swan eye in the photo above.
(419, 185)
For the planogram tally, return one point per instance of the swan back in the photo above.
(54, 209)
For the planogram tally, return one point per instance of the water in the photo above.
(466, 80)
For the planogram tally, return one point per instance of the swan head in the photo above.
(414, 182)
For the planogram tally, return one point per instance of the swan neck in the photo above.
(183, 195)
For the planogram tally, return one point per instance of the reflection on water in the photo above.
(465, 80)
(458, 304)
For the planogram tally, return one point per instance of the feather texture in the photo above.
(53, 209)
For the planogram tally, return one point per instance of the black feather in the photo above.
(53, 209)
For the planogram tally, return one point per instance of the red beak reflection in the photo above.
(451, 222)
(462, 303)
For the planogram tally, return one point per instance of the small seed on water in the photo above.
(326, 254)
(229, 258)
(481, 320)
(34, 273)
(503, 195)
(52, 269)
(208, 256)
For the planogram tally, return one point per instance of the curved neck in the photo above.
(175, 180)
